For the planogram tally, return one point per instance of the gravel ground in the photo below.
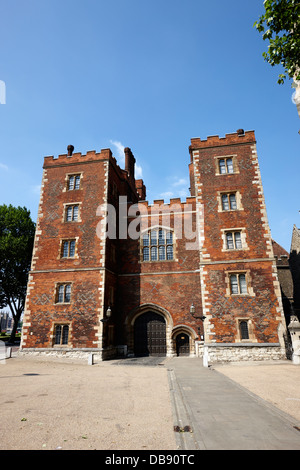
(49, 404)
(54, 405)
(276, 382)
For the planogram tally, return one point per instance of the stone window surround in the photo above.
(250, 292)
(238, 199)
(238, 337)
(224, 157)
(67, 177)
(52, 334)
(242, 231)
(61, 245)
(158, 227)
(68, 204)
(57, 285)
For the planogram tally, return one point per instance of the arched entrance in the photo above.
(150, 335)
(184, 340)
(182, 344)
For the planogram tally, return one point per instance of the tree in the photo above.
(280, 25)
(16, 243)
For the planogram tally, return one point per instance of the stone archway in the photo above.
(156, 321)
(183, 341)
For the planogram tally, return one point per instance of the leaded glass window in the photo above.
(238, 284)
(72, 213)
(244, 329)
(225, 165)
(63, 293)
(233, 240)
(68, 249)
(73, 182)
(61, 334)
(157, 245)
(229, 202)
(232, 201)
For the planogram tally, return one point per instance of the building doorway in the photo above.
(150, 335)
(182, 344)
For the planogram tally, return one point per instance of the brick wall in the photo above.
(85, 271)
(261, 305)
(112, 272)
(169, 286)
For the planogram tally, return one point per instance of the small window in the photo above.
(244, 329)
(153, 253)
(229, 202)
(169, 238)
(162, 253)
(68, 249)
(73, 182)
(225, 165)
(114, 190)
(157, 245)
(63, 294)
(72, 212)
(61, 334)
(238, 284)
(161, 236)
(222, 166)
(170, 252)
(153, 239)
(146, 239)
(233, 241)
(146, 253)
(111, 296)
(112, 253)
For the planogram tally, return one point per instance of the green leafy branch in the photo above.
(280, 26)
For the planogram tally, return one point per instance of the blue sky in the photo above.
(149, 75)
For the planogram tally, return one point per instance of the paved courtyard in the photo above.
(137, 404)
(55, 405)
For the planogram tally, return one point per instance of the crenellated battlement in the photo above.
(174, 204)
(236, 138)
(73, 158)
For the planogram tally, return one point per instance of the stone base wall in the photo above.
(211, 353)
(221, 353)
(88, 355)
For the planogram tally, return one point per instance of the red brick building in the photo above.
(113, 274)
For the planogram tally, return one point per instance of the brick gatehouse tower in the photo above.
(112, 274)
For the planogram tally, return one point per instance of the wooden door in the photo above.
(150, 335)
(182, 344)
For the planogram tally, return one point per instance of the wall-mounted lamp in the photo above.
(108, 312)
(107, 315)
(193, 311)
(202, 318)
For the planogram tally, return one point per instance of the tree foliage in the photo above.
(280, 25)
(16, 243)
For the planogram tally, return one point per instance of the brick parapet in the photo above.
(236, 138)
(77, 158)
